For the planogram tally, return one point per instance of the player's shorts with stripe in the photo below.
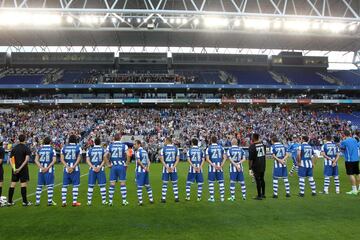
(71, 178)
(22, 176)
(305, 172)
(170, 176)
(280, 172)
(118, 173)
(237, 176)
(330, 171)
(195, 177)
(98, 177)
(216, 176)
(142, 178)
(352, 168)
(45, 179)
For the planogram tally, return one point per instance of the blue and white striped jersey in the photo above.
(142, 156)
(306, 154)
(118, 153)
(46, 154)
(236, 154)
(331, 150)
(279, 150)
(169, 153)
(196, 156)
(71, 153)
(96, 155)
(215, 152)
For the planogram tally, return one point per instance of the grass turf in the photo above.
(332, 216)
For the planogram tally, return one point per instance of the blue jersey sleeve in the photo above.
(343, 145)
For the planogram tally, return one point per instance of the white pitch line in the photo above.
(44, 189)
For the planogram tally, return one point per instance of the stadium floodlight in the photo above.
(178, 20)
(138, 20)
(337, 27)
(88, 19)
(315, 25)
(129, 20)
(237, 22)
(172, 20)
(300, 26)
(257, 24)
(216, 22)
(277, 24)
(196, 21)
(352, 27)
(69, 19)
(184, 21)
(114, 20)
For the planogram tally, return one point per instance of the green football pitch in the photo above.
(321, 217)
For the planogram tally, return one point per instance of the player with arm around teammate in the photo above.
(331, 154)
(306, 160)
(195, 158)
(45, 160)
(70, 157)
(236, 156)
(216, 157)
(142, 172)
(95, 158)
(118, 160)
(169, 157)
(279, 154)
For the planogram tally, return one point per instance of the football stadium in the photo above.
(179, 119)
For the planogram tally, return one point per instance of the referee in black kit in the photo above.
(21, 153)
(257, 164)
(2, 155)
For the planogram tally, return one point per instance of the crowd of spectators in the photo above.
(153, 125)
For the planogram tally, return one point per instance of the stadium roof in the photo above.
(328, 25)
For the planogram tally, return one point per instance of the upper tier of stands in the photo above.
(279, 76)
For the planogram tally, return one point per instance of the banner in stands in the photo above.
(228, 100)
(324, 101)
(130, 100)
(11, 101)
(281, 100)
(244, 100)
(259, 100)
(65, 101)
(304, 101)
(212, 100)
(184, 101)
(181, 100)
(156, 100)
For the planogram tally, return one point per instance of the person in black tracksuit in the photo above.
(2, 154)
(257, 164)
(21, 153)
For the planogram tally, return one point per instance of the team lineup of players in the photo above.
(116, 157)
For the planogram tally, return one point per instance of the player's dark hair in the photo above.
(97, 141)
(274, 139)
(255, 137)
(72, 139)
(22, 138)
(347, 133)
(328, 137)
(138, 142)
(213, 139)
(117, 137)
(305, 138)
(194, 142)
(46, 141)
